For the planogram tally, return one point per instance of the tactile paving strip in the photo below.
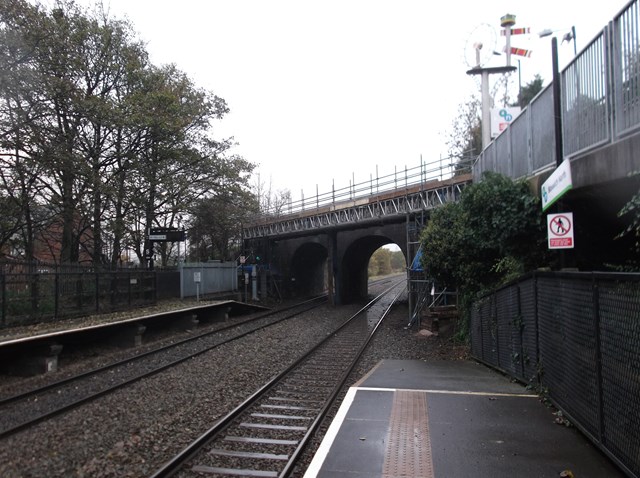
(409, 448)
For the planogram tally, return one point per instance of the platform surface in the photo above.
(450, 419)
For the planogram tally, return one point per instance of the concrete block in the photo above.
(186, 322)
(129, 336)
(39, 360)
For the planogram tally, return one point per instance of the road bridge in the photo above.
(325, 243)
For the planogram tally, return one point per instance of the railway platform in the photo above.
(410, 418)
(33, 349)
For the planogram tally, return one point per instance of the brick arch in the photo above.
(309, 270)
(353, 284)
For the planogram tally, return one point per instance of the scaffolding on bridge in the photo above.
(423, 292)
(419, 286)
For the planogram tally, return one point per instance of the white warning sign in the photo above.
(560, 230)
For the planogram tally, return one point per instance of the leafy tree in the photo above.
(384, 261)
(272, 202)
(57, 108)
(529, 91)
(98, 144)
(215, 225)
(493, 234)
(398, 261)
(465, 139)
(631, 210)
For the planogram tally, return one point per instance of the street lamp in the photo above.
(557, 105)
(568, 37)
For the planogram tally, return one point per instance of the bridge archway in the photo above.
(354, 283)
(309, 269)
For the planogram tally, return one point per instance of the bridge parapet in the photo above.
(386, 206)
(600, 108)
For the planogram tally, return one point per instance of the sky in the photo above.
(325, 92)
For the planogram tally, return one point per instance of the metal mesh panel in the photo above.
(543, 139)
(509, 324)
(600, 98)
(489, 333)
(492, 156)
(586, 335)
(585, 117)
(503, 153)
(520, 163)
(529, 330)
(118, 290)
(626, 69)
(476, 329)
(77, 293)
(620, 351)
(567, 347)
(478, 168)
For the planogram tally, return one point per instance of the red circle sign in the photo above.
(560, 225)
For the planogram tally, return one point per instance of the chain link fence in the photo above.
(576, 337)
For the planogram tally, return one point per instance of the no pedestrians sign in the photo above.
(560, 230)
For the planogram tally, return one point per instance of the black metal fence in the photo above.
(577, 336)
(31, 293)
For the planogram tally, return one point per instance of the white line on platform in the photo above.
(451, 392)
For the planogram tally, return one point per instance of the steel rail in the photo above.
(176, 463)
(88, 373)
(75, 403)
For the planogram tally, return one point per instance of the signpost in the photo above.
(560, 230)
(166, 234)
(197, 278)
(162, 234)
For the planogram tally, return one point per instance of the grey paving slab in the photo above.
(480, 424)
(460, 376)
(359, 447)
(482, 436)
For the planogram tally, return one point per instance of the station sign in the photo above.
(560, 230)
(501, 118)
(166, 234)
(556, 185)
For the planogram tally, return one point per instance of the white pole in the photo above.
(486, 111)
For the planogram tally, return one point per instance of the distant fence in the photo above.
(600, 104)
(207, 278)
(31, 293)
(576, 335)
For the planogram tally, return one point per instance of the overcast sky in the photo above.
(323, 90)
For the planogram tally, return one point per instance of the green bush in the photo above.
(492, 235)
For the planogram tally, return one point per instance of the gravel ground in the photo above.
(133, 431)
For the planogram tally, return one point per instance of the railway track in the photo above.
(266, 435)
(29, 408)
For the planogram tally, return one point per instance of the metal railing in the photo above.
(417, 189)
(31, 293)
(575, 336)
(439, 170)
(600, 98)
